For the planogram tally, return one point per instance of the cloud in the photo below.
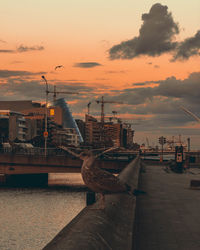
(19, 88)
(11, 73)
(2, 41)
(187, 90)
(16, 62)
(189, 47)
(140, 84)
(87, 64)
(7, 51)
(115, 72)
(160, 105)
(22, 49)
(156, 36)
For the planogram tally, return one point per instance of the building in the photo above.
(113, 134)
(12, 126)
(35, 119)
(65, 136)
(18, 106)
(108, 134)
(92, 131)
(68, 120)
(81, 125)
(128, 135)
(61, 127)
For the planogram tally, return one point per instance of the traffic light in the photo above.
(162, 140)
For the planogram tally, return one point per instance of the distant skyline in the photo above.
(143, 53)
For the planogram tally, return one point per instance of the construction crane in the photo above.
(88, 106)
(114, 113)
(60, 92)
(102, 101)
(190, 113)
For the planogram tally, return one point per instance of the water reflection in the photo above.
(31, 217)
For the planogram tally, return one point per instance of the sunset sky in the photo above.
(143, 53)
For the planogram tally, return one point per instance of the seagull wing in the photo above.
(59, 66)
(107, 182)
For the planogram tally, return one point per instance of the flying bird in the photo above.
(59, 66)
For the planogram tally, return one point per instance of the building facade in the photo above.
(12, 126)
(107, 134)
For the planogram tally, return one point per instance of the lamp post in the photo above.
(162, 141)
(46, 115)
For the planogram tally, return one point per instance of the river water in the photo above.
(31, 217)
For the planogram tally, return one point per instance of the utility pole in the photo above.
(45, 134)
(188, 140)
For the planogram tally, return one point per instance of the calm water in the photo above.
(31, 217)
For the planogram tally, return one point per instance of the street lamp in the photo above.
(46, 115)
(162, 141)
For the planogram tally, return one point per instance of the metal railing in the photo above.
(33, 151)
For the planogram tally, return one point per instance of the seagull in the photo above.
(59, 66)
(97, 179)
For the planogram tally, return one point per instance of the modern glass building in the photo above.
(68, 120)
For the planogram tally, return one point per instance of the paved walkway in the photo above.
(168, 216)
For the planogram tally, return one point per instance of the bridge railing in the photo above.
(33, 151)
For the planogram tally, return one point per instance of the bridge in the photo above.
(56, 161)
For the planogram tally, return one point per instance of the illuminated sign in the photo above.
(52, 112)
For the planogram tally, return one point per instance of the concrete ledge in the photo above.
(111, 228)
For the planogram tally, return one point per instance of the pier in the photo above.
(165, 217)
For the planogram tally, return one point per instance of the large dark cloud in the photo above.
(189, 47)
(87, 64)
(187, 90)
(155, 36)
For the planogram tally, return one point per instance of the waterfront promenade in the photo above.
(168, 216)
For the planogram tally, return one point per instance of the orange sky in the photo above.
(70, 32)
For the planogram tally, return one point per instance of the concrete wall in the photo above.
(110, 228)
